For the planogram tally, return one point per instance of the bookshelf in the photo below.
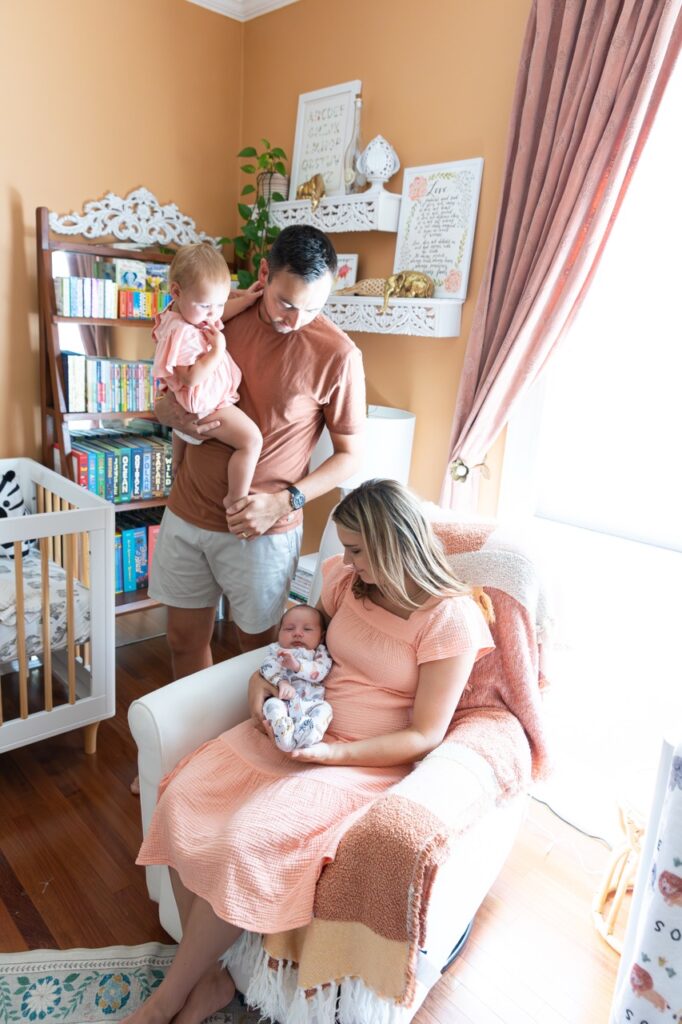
(136, 228)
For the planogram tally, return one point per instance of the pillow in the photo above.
(12, 506)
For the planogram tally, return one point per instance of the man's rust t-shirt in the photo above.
(292, 385)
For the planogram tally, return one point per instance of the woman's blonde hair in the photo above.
(399, 544)
(198, 262)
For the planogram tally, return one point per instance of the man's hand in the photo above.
(169, 412)
(287, 660)
(259, 691)
(254, 515)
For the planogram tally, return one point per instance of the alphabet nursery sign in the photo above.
(324, 128)
(437, 222)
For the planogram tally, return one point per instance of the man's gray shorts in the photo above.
(192, 567)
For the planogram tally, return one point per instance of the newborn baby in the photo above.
(297, 664)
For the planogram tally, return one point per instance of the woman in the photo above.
(245, 828)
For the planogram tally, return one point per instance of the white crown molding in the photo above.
(242, 10)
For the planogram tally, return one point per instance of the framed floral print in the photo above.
(437, 223)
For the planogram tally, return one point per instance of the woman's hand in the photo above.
(259, 691)
(318, 753)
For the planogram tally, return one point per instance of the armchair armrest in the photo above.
(171, 722)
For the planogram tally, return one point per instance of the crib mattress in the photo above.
(33, 608)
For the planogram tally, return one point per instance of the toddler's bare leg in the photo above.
(242, 434)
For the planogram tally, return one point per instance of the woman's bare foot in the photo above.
(213, 991)
(135, 786)
(151, 1011)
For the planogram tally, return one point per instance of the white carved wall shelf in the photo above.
(427, 318)
(376, 210)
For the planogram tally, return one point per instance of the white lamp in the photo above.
(387, 454)
(387, 450)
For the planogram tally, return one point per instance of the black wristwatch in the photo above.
(296, 497)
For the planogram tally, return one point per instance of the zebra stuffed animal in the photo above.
(11, 506)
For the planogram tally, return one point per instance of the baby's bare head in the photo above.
(301, 626)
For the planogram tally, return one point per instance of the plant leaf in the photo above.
(225, 240)
(249, 168)
(245, 278)
(265, 143)
(241, 247)
(277, 152)
(248, 189)
(248, 151)
(280, 168)
(277, 197)
(245, 210)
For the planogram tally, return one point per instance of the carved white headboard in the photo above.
(138, 219)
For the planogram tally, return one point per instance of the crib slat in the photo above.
(21, 630)
(85, 580)
(55, 540)
(69, 542)
(45, 611)
(40, 495)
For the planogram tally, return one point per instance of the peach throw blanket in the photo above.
(356, 961)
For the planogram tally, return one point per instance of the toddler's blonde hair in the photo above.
(198, 262)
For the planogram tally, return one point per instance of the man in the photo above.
(300, 372)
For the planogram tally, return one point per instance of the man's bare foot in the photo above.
(135, 786)
(213, 991)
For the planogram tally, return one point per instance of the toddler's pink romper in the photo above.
(180, 344)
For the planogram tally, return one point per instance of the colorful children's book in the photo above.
(130, 274)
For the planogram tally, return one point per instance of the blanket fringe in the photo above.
(275, 993)
(359, 1005)
(273, 989)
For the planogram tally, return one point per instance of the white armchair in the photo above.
(483, 772)
(173, 721)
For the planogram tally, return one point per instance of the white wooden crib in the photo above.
(57, 651)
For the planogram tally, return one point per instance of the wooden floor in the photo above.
(69, 832)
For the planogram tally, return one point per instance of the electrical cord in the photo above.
(590, 835)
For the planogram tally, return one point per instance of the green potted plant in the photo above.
(257, 234)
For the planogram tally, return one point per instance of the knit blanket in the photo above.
(357, 960)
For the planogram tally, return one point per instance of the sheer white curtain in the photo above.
(593, 464)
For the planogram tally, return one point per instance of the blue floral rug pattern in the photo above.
(89, 986)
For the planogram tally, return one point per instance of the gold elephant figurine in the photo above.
(407, 284)
(312, 189)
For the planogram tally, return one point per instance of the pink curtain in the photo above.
(591, 77)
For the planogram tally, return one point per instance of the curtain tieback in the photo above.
(459, 471)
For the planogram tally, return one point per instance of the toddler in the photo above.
(191, 359)
(297, 664)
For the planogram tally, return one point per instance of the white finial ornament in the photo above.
(378, 162)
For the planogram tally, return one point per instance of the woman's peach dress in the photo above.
(247, 828)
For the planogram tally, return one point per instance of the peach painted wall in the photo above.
(103, 97)
(438, 80)
(90, 106)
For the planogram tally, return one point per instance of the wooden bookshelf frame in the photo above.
(55, 418)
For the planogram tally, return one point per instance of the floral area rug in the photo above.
(81, 986)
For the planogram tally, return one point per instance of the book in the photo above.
(152, 534)
(130, 274)
(118, 563)
(157, 276)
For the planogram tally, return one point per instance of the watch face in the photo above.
(297, 497)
